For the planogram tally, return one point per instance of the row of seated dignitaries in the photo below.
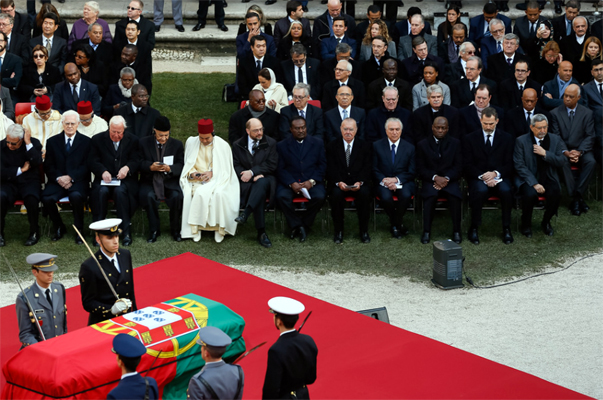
(207, 182)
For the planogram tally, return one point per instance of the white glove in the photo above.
(120, 306)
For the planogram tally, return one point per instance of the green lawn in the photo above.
(488, 262)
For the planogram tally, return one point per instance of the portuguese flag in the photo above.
(81, 365)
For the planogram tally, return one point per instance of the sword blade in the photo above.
(303, 323)
(248, 352)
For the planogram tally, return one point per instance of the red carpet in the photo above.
(359, 358)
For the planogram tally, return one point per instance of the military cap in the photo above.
(109, 227)
(42, 261)
(213, 337)
(128, 346)
(285, 306)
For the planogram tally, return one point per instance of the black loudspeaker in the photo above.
(376, 313)
(447, 265)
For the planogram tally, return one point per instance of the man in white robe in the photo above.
(44, 122)
(90, 124)
(210, 186)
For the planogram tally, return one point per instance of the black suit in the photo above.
(236, 125)
(19, 46)
(322, 31)
(560, 29)
(26, 186)
(477, 160)
(11, 64)
(423, 117)
(522, 29)
(333, 122)
(358, 170)
(59, 162)
(376, 118)
(263, 162)
(509, 95)
(327, 70)
(462, 95)
(499, 69)
(596, 29)
(453, 72)
(58, 52)
(103, 157)
(288, 71)
(281, 27)
(291, 366)
(144, 48)
(97, 297)
(371, 70)
(571, 49)
(470, 121)
(330, 90)
(147, 31)
(414, 67)
(139, 123)
(516, 122)
(21, 25)
(314, 121)
(170, 181)
(445, 160)
(375, 93)
(63, 100)
(403, 168)
(144, 73)
(247, 72)
(103, 52)
(50, 77)
(134, 387)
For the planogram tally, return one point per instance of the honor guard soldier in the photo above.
(132, 385)
(292, 359)
(47, 300)
(97, 296)
(216, 380)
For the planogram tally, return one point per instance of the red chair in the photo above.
(315, 103)
(24, 108)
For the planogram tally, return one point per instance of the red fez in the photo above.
(205, 126)
(84, 107)
(43, 103)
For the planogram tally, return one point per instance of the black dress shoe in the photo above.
(245, 1)
(157, 28)
(225, 4)
(78, 241)
(575, 208)
(583, 206)
(2, 243)
(153, 237)
(425, 238)
(472, 236)
(507, 237)
(305, 8)
(59, 233)
(526, 231)
(396, 232)
(242, 218)
(324, 1)
(264, 241)
(547, 228)
(338, 238)
(521, 6)
(505, 7)
(457, 237)
(224, 28)
(127, 240)
(403, 230)
(365, 238)
(302, 234)
(177, 237)
(199, 26)
(294, 233)
(558, 9)
(268, 2)
(179, 28)
(32, 239)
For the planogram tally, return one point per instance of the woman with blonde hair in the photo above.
(593, 50)
(376, 28)
(90, 16)
(274, 92)
(545, 69)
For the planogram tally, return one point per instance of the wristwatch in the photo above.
(313, 182)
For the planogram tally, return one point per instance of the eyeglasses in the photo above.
(143, 96)
(498, 30)
(299, 62)
(87, 119)
(299, 97)
(344, 94)
(132, 8)
(521, 71)
(38, 56)
(43, 114)
(2, 25)
(13, 143)
(70, 123)
(339, 70)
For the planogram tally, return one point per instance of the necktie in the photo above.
(158, 186)
(532, 30)
(521, 88)
(498, 47)
(473, 87)
(258, 65)
(345, 114)
(348, 152)
(393, 153)
(568, 28)
(160, 146)
(300, 76)
(540, 142)
(529, 118)
(571, 116)
(456, 49)
(76, 98)
(115, 265)
(509, 61)
(302, 114)
(600, 86)
(68, 145)
(487, 33)
(390, 84)
(439, 143)
(48, 297)
(338, 40)
(116, 145)
(48, 46)
(489, 143)
(137, 110)
(254, 148)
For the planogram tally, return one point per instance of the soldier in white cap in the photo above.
(216, 380)
(97, 297)
(47, 298)
(292, 358)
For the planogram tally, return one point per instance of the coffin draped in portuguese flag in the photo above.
(80, 364)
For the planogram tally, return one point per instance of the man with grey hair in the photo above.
(562, 25)
(20, 157)
(343, 72)
(463, 90)
(312, 114)
(537, 157)
(389, 108)
(301, 69)
(406, 47)
(493, 44)
(134, 13)
(66, 167)
(343, 111)
(501, 65)
(423, 117)
(323, 25)
(573, 45)
(394, 175)
(456, 71)
(343, 51)
(97, 39)
(15, 43)
(479, 27)
(114, 162)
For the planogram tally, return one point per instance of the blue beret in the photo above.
(213, 337)
(128, 346)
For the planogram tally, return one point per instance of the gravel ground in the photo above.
(550, 326)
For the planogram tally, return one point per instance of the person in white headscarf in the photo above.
(274, 92)
(5, 122)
